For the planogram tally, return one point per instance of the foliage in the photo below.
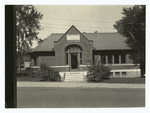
(48, 73)
(27, 26)
(97, 72)
(40, 41)
(132, 26)
(31, 72)
(45, 73)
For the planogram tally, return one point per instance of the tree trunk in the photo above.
(19, 65)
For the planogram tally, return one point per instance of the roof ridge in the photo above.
(56, 33)
(102, 33)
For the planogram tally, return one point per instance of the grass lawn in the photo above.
(24, 77)
(136, 80)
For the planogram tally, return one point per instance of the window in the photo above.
(103, 59)
(109, 59)
(124, 74)
(123, 58)
(117, 73)
(80, 61)
(35, 63)
(80, 55)
(116, 58)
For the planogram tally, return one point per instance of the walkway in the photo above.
(79, 85)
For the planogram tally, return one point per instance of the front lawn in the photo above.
(25, 77)
(135, 80)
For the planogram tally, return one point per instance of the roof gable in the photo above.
(73, 30)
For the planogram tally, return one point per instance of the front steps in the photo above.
(74, 76)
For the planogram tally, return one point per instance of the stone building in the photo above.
(73, 51)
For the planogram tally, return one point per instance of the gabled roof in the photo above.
(101, 41)
(48, 44)
(107, 41)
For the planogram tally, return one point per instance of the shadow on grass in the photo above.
(135, 80)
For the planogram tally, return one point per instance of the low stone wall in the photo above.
(58, 68)
(61, 68)
(126, 73)
(83, 68)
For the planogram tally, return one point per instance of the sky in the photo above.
(86, 18)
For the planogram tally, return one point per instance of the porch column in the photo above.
(78, 59)
(69, 61)
(68, 57)
(100, 59)
(119, 59)
(113, 59)
(106, 59)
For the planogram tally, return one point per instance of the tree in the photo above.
(27, 26)
(132, 26)
(39, 41)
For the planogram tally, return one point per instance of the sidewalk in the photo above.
(79, 85)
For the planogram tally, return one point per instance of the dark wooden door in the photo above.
(74, 61)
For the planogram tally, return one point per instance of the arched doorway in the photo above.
(73, 56)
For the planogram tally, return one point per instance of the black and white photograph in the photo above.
(78, 56)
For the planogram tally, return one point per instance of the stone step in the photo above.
(74, 76)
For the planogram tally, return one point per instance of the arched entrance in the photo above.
(73, 56)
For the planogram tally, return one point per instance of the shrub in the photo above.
(97, 72)
(47, 73)
(31, 72)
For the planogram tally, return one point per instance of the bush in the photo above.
(45, 73)
(31, 72)
(97, 73)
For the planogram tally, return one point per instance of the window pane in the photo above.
(124, 74)
(80, 55)
(80, 61)
(117, 73)
(123, 59)
(116, 58)
(109, 59)
(35, 63)
(103, 59)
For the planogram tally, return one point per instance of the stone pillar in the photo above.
(78, 59)
(69, 60)
(97, 58)
(100, 59)
(106, 59)
(119, 59)
(113, 61)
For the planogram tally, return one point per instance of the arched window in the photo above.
(73, 48)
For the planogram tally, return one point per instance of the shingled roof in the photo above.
(101, 41)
